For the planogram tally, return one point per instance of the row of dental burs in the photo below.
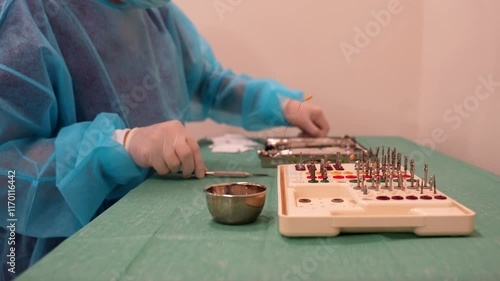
(368, 163)
(324, 167)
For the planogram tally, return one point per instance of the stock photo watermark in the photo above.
(131, 100)
(311, 263)
(222, 7)
(363, 35)
(11, 221)
(455, 116)
(73, 154)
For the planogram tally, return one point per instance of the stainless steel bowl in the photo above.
(235, 202)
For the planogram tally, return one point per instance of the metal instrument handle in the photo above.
(229, 174)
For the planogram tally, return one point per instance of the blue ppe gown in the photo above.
(71, 73)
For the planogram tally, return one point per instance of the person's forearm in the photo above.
(62, 181)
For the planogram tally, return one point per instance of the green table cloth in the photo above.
(162, 230)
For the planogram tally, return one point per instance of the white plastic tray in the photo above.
(337, 206)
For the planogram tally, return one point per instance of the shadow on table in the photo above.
(403, 236)
(262, 223)
(368, 238)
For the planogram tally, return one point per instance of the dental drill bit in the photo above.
(384, 170)
(322, 164)
(389, 155)
(385, 177)
(426, 169)
(300, 166)
(393, 161)
(412, 172)
(434, 183)
(406, 165)
(399, 161)
(357, 173)
(400, 181)
(431, 182)
(390, 178)
(363, 186)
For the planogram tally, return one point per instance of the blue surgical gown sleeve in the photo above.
(220, 94)
(64, 170)
(67, 166)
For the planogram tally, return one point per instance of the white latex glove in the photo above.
(309, 118)
(166, 147)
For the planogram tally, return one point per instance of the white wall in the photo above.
(460, 49)
(387, 87)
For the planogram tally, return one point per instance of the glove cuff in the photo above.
(120, 136)
(128, 138)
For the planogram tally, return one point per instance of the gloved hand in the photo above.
(166, 147)
(307, 117)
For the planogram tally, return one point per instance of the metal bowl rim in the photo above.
(235, 183)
